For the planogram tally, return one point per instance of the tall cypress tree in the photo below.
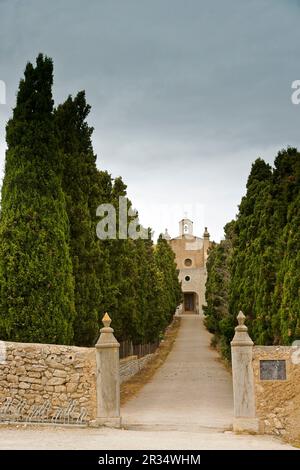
(123, 264)
(286, 195)
(36, 282)
(218, 318)
(152, 296)
(250, 288)
(79, 173)
(286, 318)
(101, 187)
(263, 277)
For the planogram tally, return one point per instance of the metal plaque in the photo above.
(272, 370)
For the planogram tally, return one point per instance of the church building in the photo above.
(191, 256)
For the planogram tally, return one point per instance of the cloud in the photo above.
(184, 95)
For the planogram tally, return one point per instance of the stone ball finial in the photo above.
(241, 318)
(106, 320)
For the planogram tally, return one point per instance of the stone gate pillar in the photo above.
(243, 381)
(108, 377)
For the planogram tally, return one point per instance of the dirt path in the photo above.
(191, 390)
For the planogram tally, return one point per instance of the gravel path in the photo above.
(192, 388)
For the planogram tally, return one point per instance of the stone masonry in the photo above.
(40, 372)
(278, 401)
(131, 365)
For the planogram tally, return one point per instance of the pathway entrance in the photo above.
(191, 390)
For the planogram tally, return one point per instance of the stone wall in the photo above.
(39, 373)
(278, 401)
(129, 366)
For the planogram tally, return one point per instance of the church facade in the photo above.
(191, 255)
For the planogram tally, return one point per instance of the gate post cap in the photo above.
(106, 338)
(241, 336)
(241, 318)
(106, 320)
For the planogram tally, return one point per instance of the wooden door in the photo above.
(189, 302)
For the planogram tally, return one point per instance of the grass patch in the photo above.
(131, 387)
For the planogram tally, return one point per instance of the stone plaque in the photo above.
(272, 370)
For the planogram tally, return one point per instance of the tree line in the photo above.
(56, 277)
(256, 268)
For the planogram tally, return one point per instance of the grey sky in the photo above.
(185, 94)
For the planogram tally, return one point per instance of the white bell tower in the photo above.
(185, 227)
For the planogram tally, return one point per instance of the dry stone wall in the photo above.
(37, 375)
(131, 365)
(278, 400)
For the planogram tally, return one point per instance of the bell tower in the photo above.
(185, 227)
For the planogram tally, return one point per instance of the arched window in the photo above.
(188, 262)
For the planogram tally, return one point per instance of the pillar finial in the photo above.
(241, 336)
(206, 234)
(241, 318)
(106, 320)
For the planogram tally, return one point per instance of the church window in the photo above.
(188, 262)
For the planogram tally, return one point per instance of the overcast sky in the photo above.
(185, 94)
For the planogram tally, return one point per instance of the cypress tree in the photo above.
(286, 306)
(101, 185)
(36, 282)
(79, 174)
(250, 288)
(286, 318)
(263, 277)
(151, 295)
(123, 264)
(218, 318)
